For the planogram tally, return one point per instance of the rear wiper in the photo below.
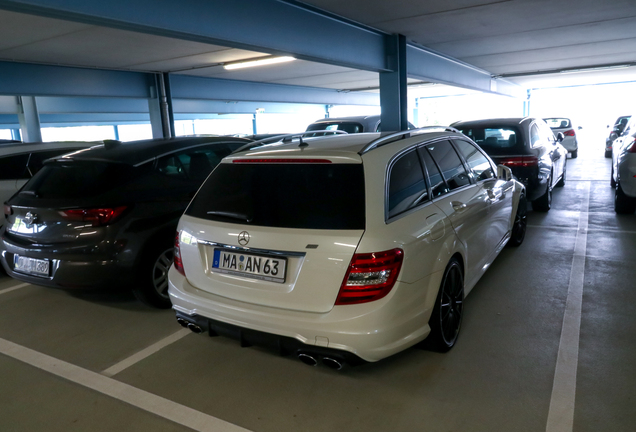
(29, 192)
(231, 215)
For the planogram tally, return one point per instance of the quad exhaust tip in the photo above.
(189, 325)
(310, 360)
(332, 363)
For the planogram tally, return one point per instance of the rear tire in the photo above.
(151, 286)
(544, 202)
(608, 154)
(612, 181)
(575, 154)
(623, 204)
(521, 222)
(447, 313)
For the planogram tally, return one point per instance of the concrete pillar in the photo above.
(154, 109)
(393, 95)
(29, 119)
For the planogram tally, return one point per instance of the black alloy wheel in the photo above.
(521, 222)
(544, 202)
(448, 311)
(623, 204)
(152, 284)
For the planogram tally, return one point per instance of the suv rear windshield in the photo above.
(496, 141)
(77, 179)
(558, 123)
(309, 196)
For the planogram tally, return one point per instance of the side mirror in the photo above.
(504, 173)
(560, 137)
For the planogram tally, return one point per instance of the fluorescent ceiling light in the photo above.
(259, 62)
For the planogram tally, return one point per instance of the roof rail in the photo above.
(287, 138)
(404, 134)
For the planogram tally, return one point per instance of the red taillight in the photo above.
(520, 161)
(569, 133)
(95, 216)
(178, 264)
(632, 149)
(370, 277)
(306, 161)
(8, 210)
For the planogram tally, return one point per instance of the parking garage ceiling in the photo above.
(522, 40)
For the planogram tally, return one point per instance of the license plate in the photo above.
(250, 265)
(37, 267)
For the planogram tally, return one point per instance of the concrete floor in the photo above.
(55, 347)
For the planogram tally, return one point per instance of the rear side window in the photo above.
(477, 162)
(294, 195)
(535, 136)
(14, 167)
(449, 163)
(438, 185)
(77, 179)
(407, 187)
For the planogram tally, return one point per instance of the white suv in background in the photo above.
(346, 248)
(624, 169)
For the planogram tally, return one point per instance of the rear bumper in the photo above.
(80, 272)
(369, 331)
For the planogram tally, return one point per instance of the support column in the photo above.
(168, 105)
(393, 95)
(29, 119)
(154, 109)
(15, 135)
(526, 104)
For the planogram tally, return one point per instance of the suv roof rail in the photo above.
(384, 140)
(287, 138)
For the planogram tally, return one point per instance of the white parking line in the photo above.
(561, 414)
(13, 288)
(135, 358)
(141, 399)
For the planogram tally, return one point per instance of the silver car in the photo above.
(564, 125)
(624, 170)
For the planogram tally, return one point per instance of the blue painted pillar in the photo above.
(154, 110)
(116, 130)
(526, 104)
(393, 95)
(29, 120)
(254, 128)
(15, 134)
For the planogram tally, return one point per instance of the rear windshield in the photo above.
(77, 179)
(496, 141)
(309, 196)
(558, 123)
(348, 127)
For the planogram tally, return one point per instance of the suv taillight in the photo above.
(178, 264)
(632, 149)
(569, 133)
(520, 161)
(370, 276)
(95, 216)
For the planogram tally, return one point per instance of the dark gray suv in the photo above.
(106, 216)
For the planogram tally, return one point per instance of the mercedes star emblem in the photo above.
(244, 238)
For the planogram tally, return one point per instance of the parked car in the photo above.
(624, 170)
(105, 217)
(564, 125)
(20, 161)
(528, 147)
(351, 249)
(616, 131)
(355, 124)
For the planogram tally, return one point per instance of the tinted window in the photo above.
(312, 196)
(13, 167)
(407, 187)
(194, 164)
(558, 123)
(535, 136)
(477, 162)
(438, 185)
(77, 179)
(349, 127)
(450, 164)
(496, 141)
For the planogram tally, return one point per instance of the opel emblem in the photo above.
(29, 218)
(244, 238)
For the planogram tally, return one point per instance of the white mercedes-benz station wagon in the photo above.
(347, 248)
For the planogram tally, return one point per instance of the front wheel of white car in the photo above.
(448, 311)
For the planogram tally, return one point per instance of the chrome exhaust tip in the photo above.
(182, 322)
(332, 363)
(195, 328)
(307, 359)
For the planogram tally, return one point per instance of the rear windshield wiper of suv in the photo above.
(231, 215)
(29, 192)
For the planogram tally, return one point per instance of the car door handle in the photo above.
(457, 205)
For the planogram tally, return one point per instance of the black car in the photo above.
(528, 147)
(107, 216)
(354, 124)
